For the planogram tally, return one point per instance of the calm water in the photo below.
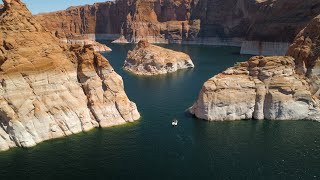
(152, 149)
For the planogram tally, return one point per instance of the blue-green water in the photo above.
(196, 149)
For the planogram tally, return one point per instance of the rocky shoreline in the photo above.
(260, 88)
(275, 88)
(68, 87)
(49, 89)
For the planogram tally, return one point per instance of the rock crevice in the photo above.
(43, 92)
(261, 88)
(177, 21)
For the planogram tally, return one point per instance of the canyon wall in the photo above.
(188, 20)
(49, 89)
(99, 18)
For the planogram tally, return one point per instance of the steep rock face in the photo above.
(147, 59)
(188, 20)
(160, 21)
(261, 88)
(97, 18)
(104, 89)
(306, 51)
(40, 94)
(276, 20)
(280, 88)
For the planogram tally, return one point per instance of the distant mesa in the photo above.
(148, 59)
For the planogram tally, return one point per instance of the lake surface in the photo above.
(151, 149)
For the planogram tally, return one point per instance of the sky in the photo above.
(39, 6)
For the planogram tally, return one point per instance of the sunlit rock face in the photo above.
(50, 90)
(260, 88)
(164, 21)
(148, 59)
(306, 51)
(276, 88)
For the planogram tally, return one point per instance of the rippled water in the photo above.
(152, 149)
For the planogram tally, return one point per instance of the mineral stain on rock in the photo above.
(275, 88)
(50, 90)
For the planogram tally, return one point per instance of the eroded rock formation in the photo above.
(261, 88)
(276, 88)
(99, 18)
(82, 40)
(147, 59)
(306, 51)
(50, 90)
(187, 20)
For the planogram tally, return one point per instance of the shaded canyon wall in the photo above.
(187, 20)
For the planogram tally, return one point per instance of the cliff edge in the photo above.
(197, 21)
(276, 88)
(50, 90)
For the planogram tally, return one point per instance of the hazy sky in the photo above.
(38, 6)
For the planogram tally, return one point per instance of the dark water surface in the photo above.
(196, 149)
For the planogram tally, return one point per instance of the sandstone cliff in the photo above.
(306, 51)
(276, 88)
(261, 20)
(48, 89)
(147, 59)
(261, 88)
(188, 20)
(97, 18)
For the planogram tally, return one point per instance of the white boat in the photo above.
(174, 122)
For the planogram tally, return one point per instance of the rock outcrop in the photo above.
(99, 18)
(261, 88)
(276, 88)
(306, 51)
(179, 21)
(83, 40)
(147, 59)
(50, 90)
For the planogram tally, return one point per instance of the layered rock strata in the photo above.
(186, 21)
(260, 88)
(306, 51)
(276, 88)
(147, 59)
(50, 90)
(84, 40)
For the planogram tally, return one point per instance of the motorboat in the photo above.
(174, 122)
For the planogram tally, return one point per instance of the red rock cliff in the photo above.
(175, 20)
(48, 89)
